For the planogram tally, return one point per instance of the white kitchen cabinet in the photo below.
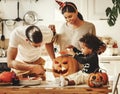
(108, 67)
(96, 9)
(112, 65)
(117, 67)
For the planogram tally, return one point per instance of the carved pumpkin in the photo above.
(105, 78)
(65, 65)
(98, 79)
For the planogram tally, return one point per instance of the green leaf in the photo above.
(108, 10)
(118, 1)
(114, 11)
(111, 22)
(113, 17)
(119, 9)
(113, 1)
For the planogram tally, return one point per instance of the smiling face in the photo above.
(71, 17)
(65, 65)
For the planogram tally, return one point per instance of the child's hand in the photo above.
(70, 46)
(70, 51)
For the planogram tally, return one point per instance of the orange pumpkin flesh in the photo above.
(65, 65)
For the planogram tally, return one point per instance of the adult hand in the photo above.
(38, 69)
(70, 51)
(52, 27)
(70, 46)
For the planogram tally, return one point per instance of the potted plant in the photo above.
(113, 12)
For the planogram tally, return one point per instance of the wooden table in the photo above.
(51, 88)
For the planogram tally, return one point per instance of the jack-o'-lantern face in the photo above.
(98, 79)
(95, 80)
(65, 65)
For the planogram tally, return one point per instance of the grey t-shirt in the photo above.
(68, 36)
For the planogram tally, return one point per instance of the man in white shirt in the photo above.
(23, 55)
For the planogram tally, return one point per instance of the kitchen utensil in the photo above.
(2, 36)
(10, 22)
(30, 17)
(18, 18)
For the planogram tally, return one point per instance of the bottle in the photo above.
(115, 49)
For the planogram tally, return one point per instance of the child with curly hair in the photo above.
(88, 56)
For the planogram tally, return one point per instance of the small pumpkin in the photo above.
(97, 79)
(105, 77)
(6, 77)
(64, 65)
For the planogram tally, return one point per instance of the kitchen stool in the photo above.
(115, 87)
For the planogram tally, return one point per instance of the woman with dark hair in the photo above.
(88, 56)
(24, 50)
(74, 27)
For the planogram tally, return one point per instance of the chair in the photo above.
(115, 87)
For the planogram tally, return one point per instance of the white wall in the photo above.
(103, 29)
(48, 11)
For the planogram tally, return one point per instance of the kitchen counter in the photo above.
(109, 58)
(48, 87)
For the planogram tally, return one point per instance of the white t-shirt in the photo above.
(26, 52)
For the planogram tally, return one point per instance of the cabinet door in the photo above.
(117, 67)
(108, 66)
(96, 9)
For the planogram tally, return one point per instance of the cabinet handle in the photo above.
(105, 62)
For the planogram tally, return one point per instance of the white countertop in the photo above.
(109, 58)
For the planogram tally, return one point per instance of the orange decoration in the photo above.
(65, 65)
(98, 79)
(60, 3)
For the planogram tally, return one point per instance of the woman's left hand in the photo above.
(52, 27)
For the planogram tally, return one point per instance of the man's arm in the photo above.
(50, 50)
(12, 63)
